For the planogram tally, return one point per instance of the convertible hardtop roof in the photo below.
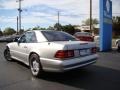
(43, 31)
(40, 30)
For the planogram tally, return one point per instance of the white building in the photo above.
(85, 28)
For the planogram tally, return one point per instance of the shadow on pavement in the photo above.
(90, 78)
(94, 77)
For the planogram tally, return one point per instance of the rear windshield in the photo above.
(58, 36)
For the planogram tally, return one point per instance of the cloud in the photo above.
(8, 19)
(45, 11)
(35, 20)
(9, 4)
(12, 4)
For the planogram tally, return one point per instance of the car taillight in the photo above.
(64, 54)
(94, 50)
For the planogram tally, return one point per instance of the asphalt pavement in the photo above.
(104, 75)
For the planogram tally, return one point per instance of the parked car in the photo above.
(2, 38)
(8, 38)
(54, 51)
(84, 36)
(97, 41)
(118, 44)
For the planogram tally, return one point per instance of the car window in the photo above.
(28, 37)
(58, 36)
(31, 37)
(23, 39)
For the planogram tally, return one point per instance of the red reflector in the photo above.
(64, 54)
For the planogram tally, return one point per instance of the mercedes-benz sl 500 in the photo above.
(54, 51)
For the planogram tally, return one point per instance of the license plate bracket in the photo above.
(84, 52)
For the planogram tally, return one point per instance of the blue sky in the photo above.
(44, 12)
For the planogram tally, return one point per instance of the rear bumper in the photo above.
(65, 65)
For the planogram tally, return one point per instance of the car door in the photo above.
(20, 48)
(30, 40)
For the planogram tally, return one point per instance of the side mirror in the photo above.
(16, 40)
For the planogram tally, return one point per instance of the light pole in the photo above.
(91, 16)
(17, 25)
(58, 20)
(19, 10)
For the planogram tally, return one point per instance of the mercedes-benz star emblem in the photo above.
(108, 6)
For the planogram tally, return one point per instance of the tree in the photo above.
(38, 28)
(116, 25)
(9, 31)
(42, 28)
(50, 28)
(87, 22)
(21, 31)
(1, 33)
(69, 29)
(29, 29)
(58, 27)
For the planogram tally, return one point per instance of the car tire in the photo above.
(35, 65)
(118, 49)
(7, 54)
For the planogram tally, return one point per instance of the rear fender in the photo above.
(35, 51)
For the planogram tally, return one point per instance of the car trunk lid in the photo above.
(80, 48)
(72, 45)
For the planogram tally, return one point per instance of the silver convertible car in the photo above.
(54, 51)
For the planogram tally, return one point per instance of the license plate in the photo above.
(85, 52)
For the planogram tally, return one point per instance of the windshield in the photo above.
(58, 36)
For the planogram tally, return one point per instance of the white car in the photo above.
(97, 41)
(54, 51)
(118, 44)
